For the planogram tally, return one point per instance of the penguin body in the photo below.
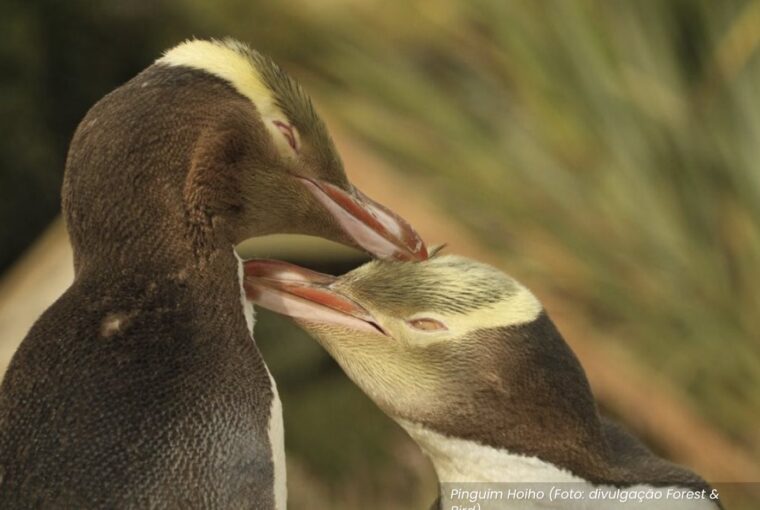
(466, 360)
(128, 385)
(141, 385)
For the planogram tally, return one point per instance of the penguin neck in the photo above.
(161, 235)
(141, 267)
(534, 403)
(457, 460)
(208, 291)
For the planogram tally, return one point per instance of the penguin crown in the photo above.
(285, 108)
(443, 298)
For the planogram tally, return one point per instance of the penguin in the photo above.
(141, 386)
(468, 362)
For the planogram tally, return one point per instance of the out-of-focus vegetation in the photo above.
(608, 148)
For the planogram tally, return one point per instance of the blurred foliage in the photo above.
(606, 148)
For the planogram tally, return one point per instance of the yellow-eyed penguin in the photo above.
(140, 386)
(468, 362)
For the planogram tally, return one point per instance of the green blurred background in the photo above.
(608, 151)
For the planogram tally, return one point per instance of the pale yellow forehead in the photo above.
(464, 294)
(233, 62)
(229, 60)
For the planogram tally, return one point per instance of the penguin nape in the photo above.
(467, 361)
(141, 386)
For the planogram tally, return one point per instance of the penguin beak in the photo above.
(374, 227)
(303, 294)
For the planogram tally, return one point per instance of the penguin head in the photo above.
(295, 181)
(455, 349)
(443, 342)
(228, 132)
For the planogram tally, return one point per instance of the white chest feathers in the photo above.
(476, 476)
(277, 440)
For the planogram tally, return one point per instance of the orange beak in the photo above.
(303, 294)
(371, 225)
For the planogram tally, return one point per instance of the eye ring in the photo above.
(427, 324)
(289, 132)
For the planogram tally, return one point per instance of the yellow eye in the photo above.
(427, 324)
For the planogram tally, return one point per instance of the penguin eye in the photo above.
(426, 324)
(289, 132)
